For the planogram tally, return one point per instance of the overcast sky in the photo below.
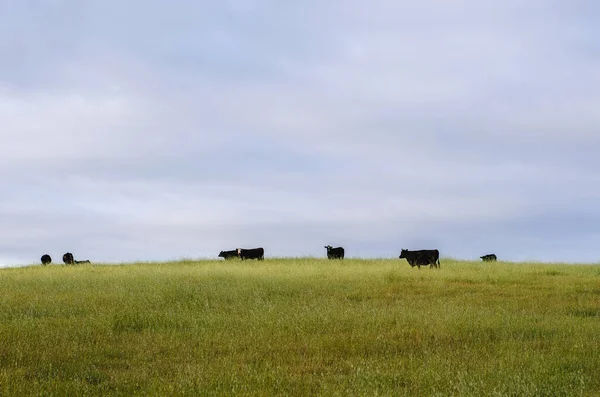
(157, 130)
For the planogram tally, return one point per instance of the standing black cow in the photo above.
(421, 257)
(46, 259)
(335, 253)
(228, 254)
(254, 253)
(489, 258)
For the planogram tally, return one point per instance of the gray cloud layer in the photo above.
(145, 130)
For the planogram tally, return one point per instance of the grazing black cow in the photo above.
(254, 253)
(421, 257)
(46, 260)
(228, 254)
(489, 258)
(68, 258)
(335, 253)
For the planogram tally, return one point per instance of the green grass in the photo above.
(301, 327)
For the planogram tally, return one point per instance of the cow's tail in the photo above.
(438, 263)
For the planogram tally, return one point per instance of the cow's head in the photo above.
(239, 251)
(403, 253)
(328, 247)
(221, 254)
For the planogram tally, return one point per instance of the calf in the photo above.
(254, 253)
(228, 254)
(421, 257)
(334, 253)
(489, 258)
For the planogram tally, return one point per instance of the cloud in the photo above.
(147, 131)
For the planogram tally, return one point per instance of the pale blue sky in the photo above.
(154, 130)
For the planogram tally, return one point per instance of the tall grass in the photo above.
(301, 327)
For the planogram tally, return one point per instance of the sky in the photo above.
(158, 130)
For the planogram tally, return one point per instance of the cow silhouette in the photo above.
(335, 253)
(69, 260)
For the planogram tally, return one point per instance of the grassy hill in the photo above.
(301, 327)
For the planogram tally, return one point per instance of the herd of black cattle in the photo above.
(414, 258)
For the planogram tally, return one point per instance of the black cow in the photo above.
(228, 254)
(69, 260)
(46, 260)
(335, 253)
(489, 258)
(254, 253)
(421, 257)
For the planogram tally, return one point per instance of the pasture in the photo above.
(301, 327)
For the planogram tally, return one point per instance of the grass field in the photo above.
(301, 327)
